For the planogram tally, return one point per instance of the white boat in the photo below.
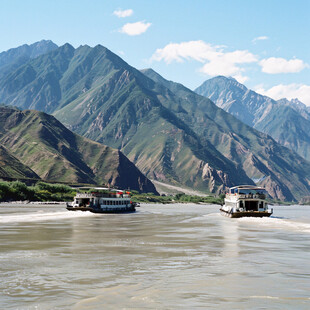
(103, 200)
(246, 200)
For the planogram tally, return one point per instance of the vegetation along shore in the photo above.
(45, 192)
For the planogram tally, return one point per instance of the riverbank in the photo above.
(178, 198)
(46, 193)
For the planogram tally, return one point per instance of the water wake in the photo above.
(277, 223)
(39, 216)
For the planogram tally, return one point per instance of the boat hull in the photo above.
(246, 214)
(105, 211)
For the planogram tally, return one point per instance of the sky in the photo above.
(263, 44)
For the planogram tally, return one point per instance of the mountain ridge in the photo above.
(287, 122)
(54, 153)
(171, 133)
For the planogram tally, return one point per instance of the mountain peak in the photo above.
(17, 56)
(67, 46)
(229, 80)
(219, 82)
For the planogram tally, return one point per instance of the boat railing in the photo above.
(84, 195)
(105, 195)
(250, 196)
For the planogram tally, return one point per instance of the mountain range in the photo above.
(171, 133)
(288, 122)
(35, 145)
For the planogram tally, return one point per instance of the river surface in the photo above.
(180, 256)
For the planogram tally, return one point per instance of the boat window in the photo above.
(246, 191)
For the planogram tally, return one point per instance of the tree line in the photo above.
(41, 191)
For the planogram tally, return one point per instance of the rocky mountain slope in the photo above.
(287, 122)
(172, 134)
(95, 93)
(297, 105)
(264, 161)
(43, 147)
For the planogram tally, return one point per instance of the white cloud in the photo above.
(241, 79)
(197, 50)
(275, 65)
(215, 60)
(134, 29)
(290, 91)
(260, 39)
(123, 13)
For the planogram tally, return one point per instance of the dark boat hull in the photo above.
(104, 211)
(246, 214)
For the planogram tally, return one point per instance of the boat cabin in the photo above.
(102, 197)
(103, 200)
(247, 198)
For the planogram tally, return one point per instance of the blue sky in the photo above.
(263, 44)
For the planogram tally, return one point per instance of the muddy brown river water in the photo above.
(181, 256)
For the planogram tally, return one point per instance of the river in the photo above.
(180, 256)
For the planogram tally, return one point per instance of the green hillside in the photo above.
(11, 167)
(54, 153)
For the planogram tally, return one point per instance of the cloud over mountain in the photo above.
(216, 61)
(134, 29)
(290, 91)
(275, 65)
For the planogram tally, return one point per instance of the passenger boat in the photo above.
(103, 200)
(246, 200)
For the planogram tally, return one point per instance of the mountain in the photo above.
(52, 152)
(95, 93)
(15, 57)
(235, 98)
(287, 122)
(296, 105)
(265, 161)
(171, 133)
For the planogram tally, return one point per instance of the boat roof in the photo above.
(248, 187)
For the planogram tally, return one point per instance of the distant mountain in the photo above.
(287, 122)
(37, 140)
(171, 133)
(15, 57)
(236, 99)
(297, 105)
